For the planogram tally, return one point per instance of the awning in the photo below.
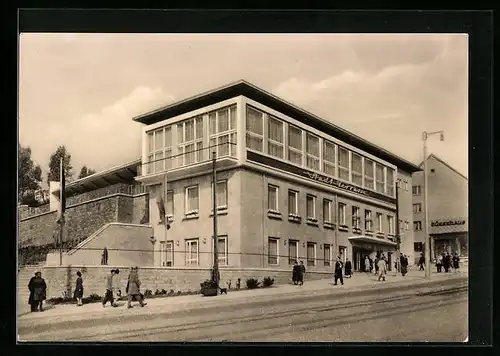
(362, 239)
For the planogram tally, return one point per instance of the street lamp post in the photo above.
(427, 244)
(215, 271)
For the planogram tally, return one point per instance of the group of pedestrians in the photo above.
(38, 290)
(447, 262)
(299, 271)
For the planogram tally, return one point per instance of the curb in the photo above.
(253, 301)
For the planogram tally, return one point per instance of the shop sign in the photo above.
(447, 223)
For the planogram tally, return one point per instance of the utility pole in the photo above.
(215, 271)
(398, 228)
(427, 245)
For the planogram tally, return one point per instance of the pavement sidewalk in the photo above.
(360, 281)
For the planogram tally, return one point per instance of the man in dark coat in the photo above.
(302, 273)
(404, 265)
(421, 263)
(456, 262)
(348, 268)
(338, 271)
(447, 263)
(38, 292)
(295, 273)
(105, 256)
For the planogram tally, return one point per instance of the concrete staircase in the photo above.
(23, 278)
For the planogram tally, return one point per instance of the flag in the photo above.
(161, 210)
(62, 194)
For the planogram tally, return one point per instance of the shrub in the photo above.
(148, 293)
(157, 292)
(91, 298)
(268, 282)
(171, 292)
(163, 291)
(252, 283)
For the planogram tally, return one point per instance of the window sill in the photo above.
(191, 216)
(327, 265)
(219, 212)
(343, 228)
(369, 233)
(312, 221)
(295, 218)
(356, 230)
(381, 235)
(329, 225)
(272, 214)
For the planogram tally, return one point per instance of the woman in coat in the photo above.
(295, 273)
(133, 288)
(348, 268)
(79, 289)
(38, 292)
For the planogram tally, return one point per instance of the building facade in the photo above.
(448, 209)
(290, 186)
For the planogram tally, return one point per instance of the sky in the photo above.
(82, 90)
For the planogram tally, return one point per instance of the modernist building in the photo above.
(290, 185)
(448, 209)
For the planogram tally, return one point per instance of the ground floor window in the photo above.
(272, 251)
(311, 254)
(169, 251)
(222, 250)
(342, 253)
(328, 255)
(293, 251)
(192, 252)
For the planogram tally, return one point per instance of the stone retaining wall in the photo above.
(61, 279)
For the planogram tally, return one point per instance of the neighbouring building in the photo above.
(290, 185)
(448, 209)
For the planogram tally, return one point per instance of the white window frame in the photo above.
(418, 224)
(197, 142)
(309, 243)
(171, 243)
(328, 218)
(254, 134)
(313, 216)
(327, 262)
(296, 194)
(342, 168)
(167, 194)
(380, 181)
(276, 208)
(164, 162)
(189, 260)
(326, 162)
(224, 259)
(296, 258)
(342, 213)
(187, 211)
(222, 206)
(163, 253)
(380, 227)
(390, 223)
(315, 166)
(407, 225)
(390, 187)
(294, 149)
(272, 142)
(230, 133)
(417, 207)
(417, 191)
(369, 173)
(368, 220)
(277, 240)
(356, 217)
(357, 174)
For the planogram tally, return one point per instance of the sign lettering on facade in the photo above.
(268, 161)
(447, 223)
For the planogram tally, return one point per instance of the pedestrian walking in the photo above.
(348, 268)
(456, 262)
(404, 265)
(78, 294)
(367, 265)
(38, 292)
(338, 271)
(447, 263)
(108, 295)
(421, 263)
(382, 268)
(302, 273)
(439, 263)
(115, 285)
(133, 288)
(295, 273)
(376, 264)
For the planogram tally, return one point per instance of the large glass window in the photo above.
(255, 129)
(159, 150)
(390, 181)
(312, 151)
(355, 217)
(272, 253)
(310, 206)
(222, 250)
(328, 254)
(293, 202)
(293, 251)
(327, 211)
(369, 174)
(356, 169)
(311, 254)
(192, 252)
(295, 145)
(328, 157)
(379, 176)
(222, 128)
(192, 200)
(221, 194)
(341, 212)
(275, 139)
(190, 139)
(272, 198)
(368, 220)
(343, 162)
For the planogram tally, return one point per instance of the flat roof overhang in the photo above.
(372, 240)
(124, 173)
(255, 93)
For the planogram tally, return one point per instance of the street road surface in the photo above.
(437, 317)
